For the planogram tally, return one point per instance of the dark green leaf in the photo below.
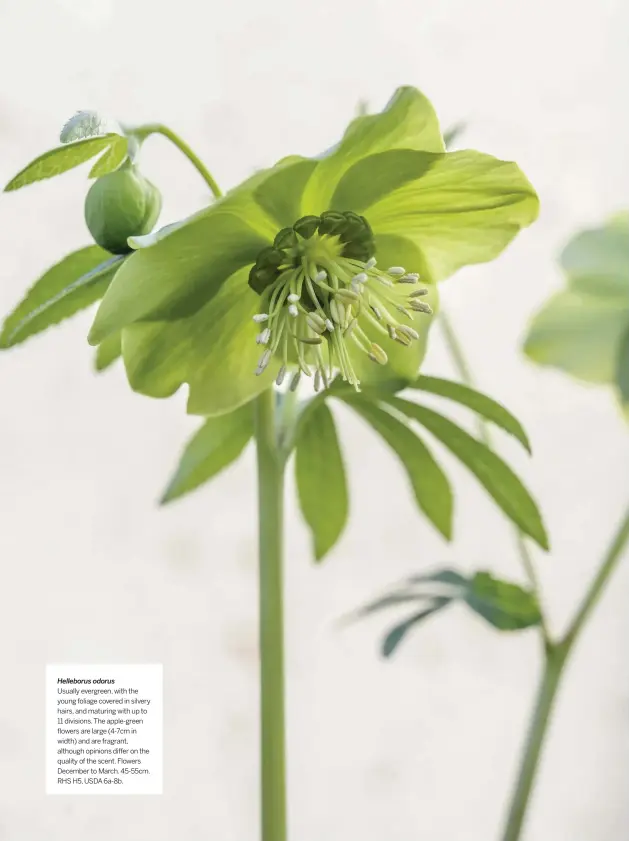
(108, 352)
(69, 286)
(622, 370)
(395, 636)
(506, 606)
(60, 159)
(479, 403)
(321, 482)
(496, 477)
(216, 445)
(429, 482)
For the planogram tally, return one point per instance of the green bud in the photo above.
(286, 238)
(306, 226)
(120, 205)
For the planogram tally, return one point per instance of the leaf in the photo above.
(496, 477)
(112, 158)
(479, 403)
(60, 159)
(397, 634)
(108, 352)
(321, 482)
(77, 281)
(504, 605)
(452, 134)
(429, 482)
(217, 444)
(622, 369)
(442, 576)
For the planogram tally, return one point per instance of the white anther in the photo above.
(260, 317)
(418, 293)
(408, 331)
(263, 337)
(361, 277)
(371, 262)
(292, 310)
(264, 361)
(317, 381)
(320, 276)
(293, 298)
(280, 375)
(409, 278)
(329, 325)
(396, 270)
(295, 381)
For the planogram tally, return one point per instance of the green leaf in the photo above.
(579, 334)
(408, 122)
(622, 370)
(506, 606)
(321, 482)
(214, 350)
(179, 274)
(59, 160)
(602, 253)
(112, 158)
(395, 636)
(429, 482)
(479, 403)
(464, 209)
(217, 444)
(496, 477)
(77, 281)
(108, 352)
(441, 576)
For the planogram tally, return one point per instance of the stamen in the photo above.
(361, 277)
(295, 381)
(263, 337)
(396, 270)
(371, 262)
(263, 363)
(260, 317)
(420, 306)
(320, 276)
(418, 293)
(280, 375)
(377, 354)
(293, 298)
(292, 310)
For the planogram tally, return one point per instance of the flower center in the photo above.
(319, 288)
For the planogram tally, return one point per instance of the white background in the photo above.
(422, 747)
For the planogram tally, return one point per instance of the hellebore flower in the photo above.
(584, 329)
(314, 266)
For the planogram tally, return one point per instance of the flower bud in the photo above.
(120, 205)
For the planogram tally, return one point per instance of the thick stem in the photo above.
(157, 128)
(270, 513)
(553, 670)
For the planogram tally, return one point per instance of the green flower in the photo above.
(314, 266)
(584, 329)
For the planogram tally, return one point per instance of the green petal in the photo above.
(597, 261)
(280, 194)
(179, 274)
(404, 362)
(465, 209)
(407, 122)
(69, 286)
(214, 351)
(580, 334)
(60, 159)
(108, 352)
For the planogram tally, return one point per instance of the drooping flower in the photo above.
(314, 266)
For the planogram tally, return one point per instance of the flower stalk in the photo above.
(556, 651)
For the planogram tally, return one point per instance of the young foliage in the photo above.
(504, 605)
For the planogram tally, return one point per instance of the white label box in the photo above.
(104, 729)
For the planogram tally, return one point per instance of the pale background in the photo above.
(422, 747)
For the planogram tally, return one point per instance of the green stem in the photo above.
(270, 512)
(142, 132)
(557, 655)
(553, 670)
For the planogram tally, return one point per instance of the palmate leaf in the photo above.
(216, 445)
(71, 285)
(321, 482)
(504, 605)
(492, 472)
